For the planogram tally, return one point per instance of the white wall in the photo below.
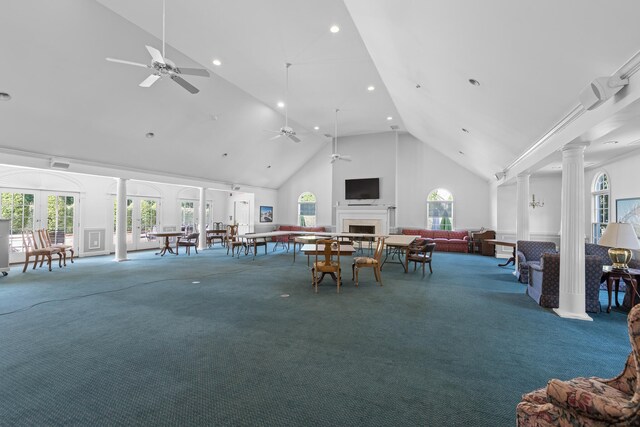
(315, 177)
(422, 170)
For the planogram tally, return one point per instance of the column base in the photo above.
(570, 315)
(121, 260)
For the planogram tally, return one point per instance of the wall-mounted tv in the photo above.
(365, 188)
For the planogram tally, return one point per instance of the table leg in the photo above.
(609, 284)
(510, 260)
(617, 289)
(405, 264)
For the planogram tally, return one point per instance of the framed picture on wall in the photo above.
(628, 210)
(266, 213)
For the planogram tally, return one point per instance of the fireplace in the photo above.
(364, 229)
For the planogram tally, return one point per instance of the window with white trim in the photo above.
(440, 210)
(600, 194)
(307, 209)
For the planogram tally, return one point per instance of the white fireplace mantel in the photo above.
(350, 216)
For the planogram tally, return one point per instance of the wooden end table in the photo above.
(629, 277)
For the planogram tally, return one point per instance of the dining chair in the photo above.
(421, 252)
(374, 262)
(232, 240)
(189, 241)
(45, 239)
(31, 249)
(253, 244)
(325, 262)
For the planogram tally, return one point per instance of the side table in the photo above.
(629, 277)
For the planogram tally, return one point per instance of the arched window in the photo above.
(307, 209)
(600, 196)
(440, 210)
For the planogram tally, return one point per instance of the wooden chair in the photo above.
(374, 262)
(31, 249)
(253, 245)
(189, 241)
(328, 264)
(212, 237)
(232, 240)
(421, 252)
(45, 240)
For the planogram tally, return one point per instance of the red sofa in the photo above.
(446, 241)
(285, 239)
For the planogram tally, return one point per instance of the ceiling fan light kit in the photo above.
(162, 66)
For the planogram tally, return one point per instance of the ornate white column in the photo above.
(522, 197)
(202, 221)
(572, 217)
(121, 220)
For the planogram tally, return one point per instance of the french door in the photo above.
(241, 216)
(30, 210)
(190, 214)
(142, 220)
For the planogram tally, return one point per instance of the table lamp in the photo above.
(621, 238)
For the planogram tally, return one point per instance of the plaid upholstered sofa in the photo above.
(446, 241)
(589, 401)
(530, 252)
(544, 281)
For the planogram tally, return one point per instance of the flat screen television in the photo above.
(365, 188)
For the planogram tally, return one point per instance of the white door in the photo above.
(142, 219)
(241, 215)
(29, 210)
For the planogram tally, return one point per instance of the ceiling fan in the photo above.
(286, 130)
(161, 66)
(335, 156)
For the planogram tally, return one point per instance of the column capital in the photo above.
(578, 145)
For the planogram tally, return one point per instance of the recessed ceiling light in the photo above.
(418, 85)
(389, 118)
(4, 96)
(474, 82)
(461, 152)
(281, 104)
(217, 62)
(334, 29)
(316, 128)
(465, 130)
(371, 88)
(150, 134)
(610, 142)
(269, 167)
(225, 154)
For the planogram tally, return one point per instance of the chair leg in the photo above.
(430, 269)
(377, 269)
(353, 266)
(423, 263)
(26, 262)
(72, 252)
(357, 274)
(60, 259)
(315, 280)
(49, 261)
(35, 263)
(338, 287)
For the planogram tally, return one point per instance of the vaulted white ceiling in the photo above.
(531, 59)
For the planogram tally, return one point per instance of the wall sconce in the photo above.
(534, 203)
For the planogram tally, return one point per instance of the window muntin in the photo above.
(440, 210)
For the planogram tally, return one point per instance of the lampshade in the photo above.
(621, 237)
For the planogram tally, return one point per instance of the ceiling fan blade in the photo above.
(275, 137)
(294, 138)
(333, 159)
(193, 72)
(185, 84)
(149, 80)
(155, 54)
(345, 158)
(273, 131)
(122, 61)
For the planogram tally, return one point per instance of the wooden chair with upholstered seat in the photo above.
(421, 252)
(31, 249)
(325, 262)
(374, 262)
(45, 240)
(232, 239)
(189, 241)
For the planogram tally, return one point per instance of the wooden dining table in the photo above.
(167, 244)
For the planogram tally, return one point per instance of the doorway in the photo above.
(142, 220)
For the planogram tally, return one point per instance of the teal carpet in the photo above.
(210, 340)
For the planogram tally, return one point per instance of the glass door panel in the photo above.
(19, 209)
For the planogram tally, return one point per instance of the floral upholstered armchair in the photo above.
(589, 401)
(530, 251)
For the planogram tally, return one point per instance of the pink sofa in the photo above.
(446, 241)
(285, 239)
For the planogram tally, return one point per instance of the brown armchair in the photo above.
(589, 401)
(189, 241)
(421, 252)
